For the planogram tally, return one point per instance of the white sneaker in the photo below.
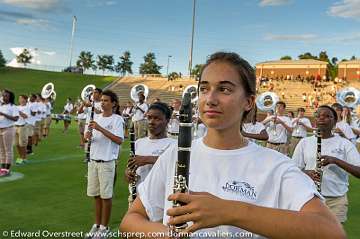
(91, 234)
(102, 233)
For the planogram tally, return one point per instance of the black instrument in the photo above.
(87, 154)
(181, 179)
(132, 185)
(319, 167)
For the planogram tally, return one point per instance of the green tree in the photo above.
(196, 70)
(323, 56)
(85, 60)
(105, 62)
(173, 76)
(149, 66)
(286, 58)
(124, 65)
(24, 57)
(2, 60)
(307, 55)
(353, 58)
(334, 60)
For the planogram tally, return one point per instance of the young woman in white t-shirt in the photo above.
(339, 157)
(236, 186)
(8, 116)
(148, 149)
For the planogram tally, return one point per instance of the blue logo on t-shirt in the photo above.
(242, 188)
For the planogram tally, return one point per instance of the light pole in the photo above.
(192, 37)
(168, 63)
(72, 38)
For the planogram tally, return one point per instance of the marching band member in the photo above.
(127, 113)
(8, 116)
(148, 149)
(253, 130)
(236, 185)
(81, 116)
(21, 132)
(342, 127)
(32, 137)
(173, 127)
(107, 135)
(138, 117)
(301, 125)
(68, 108)
(37, 129)
(339, 157)
(42, 114)
(280, 125)
(47, 123)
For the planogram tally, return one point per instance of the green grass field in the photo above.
(25, 81)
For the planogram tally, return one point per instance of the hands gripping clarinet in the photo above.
(87, 154)
(181, 179)
(319, 167)
(132, 185)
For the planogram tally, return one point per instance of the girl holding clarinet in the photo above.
(235, 185)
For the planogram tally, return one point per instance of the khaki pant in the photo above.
(37, 128)
(140, 128)
(358, 146)
(293, 142)
(47, 122)
(6, 145)
(338, 206)
(101, 178)
(30, 130)
(282, 148)
(21, 136)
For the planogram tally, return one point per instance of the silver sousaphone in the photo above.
(136, 89)
(349, 97)
(267, 102)
(48, 91)
(87, 91)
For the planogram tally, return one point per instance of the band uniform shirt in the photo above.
(150, 147)
(8, 109)
(281, 133)
(138, 115)
(174, 123)
(252, 174)
(251, 128)
(335, 180)
(68, 108)
(24, 109)
(33, 109)
(43, 110)
(102, 148)
(300, 130)
(346, 129)
(38, 111)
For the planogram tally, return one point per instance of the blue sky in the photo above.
(259, 30)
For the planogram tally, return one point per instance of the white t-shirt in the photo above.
(335, 180)
(252, 174)
(48, 108)
(24, 109)
(251, 128)
(38, 115)
(281, 133)
(138, 114)
(68, 108)
(299, 130)
(150, 147)
(173, 126)
(102, 148)
(346, 129)
(33, 108)
(8, 109)
(43, 110)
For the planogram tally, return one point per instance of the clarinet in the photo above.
(319, 167)
(181, 178)
(87, 154)
(132, 185)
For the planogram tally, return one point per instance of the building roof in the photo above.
(294, 62)
(349, 62)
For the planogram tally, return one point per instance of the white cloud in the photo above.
(33, 22)
(38, 5)
(264, 3)
(299, 37)
(345, 9)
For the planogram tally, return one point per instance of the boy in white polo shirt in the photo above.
(339, 158)
(106, 136)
